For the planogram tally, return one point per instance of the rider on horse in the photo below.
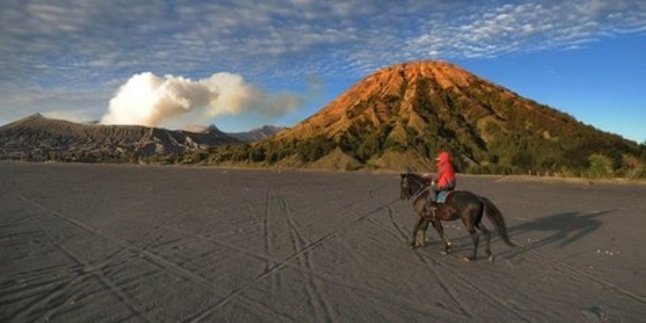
(445, 180)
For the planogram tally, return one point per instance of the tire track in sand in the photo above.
(279, 264)
(123, 297)
(172, 267)
(265, 225)
(155, 259)
(372, 292)
(572, 271)
(466, 283)
(313, 288)
(322, 276)
(284, 263)
(461, 306)
(268, 244)
(577, 274)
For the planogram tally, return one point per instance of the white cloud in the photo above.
(148, 99)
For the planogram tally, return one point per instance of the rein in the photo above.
(419, 193)
(423, 187)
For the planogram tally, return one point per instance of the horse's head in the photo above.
(405, 189)
(410, 185)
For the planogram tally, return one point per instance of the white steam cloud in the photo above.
(148, 99)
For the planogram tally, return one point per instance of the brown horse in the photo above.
(462, 205)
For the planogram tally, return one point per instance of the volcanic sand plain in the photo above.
(83, 242)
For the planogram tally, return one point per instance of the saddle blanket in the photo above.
(442, 195)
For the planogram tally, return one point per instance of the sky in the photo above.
(241, 64)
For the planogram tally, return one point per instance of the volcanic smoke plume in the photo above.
(148, 99)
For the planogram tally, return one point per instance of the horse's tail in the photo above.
(495, 216)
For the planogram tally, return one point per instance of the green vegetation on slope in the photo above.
(487, 128)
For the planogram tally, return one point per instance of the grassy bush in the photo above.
(600, 166)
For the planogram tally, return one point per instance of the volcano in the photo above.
(401, 116)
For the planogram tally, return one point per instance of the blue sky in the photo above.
(67, 59)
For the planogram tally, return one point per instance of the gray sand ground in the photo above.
(130, 243)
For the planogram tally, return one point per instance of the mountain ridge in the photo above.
(256, 134)
(36, 137)
(428, 106)
(399, 117)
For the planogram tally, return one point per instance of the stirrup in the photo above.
(434, 211)
(432, 206)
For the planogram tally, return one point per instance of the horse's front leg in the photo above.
(423, 229)
(440, 230)
(418, 233)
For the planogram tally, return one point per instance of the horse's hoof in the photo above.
(491, 258)
(444, 252)
(470, 258)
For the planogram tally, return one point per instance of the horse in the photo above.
(463, 205)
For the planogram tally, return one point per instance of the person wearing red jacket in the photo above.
(445, 180)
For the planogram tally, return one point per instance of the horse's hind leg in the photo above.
(475, 237)
(487, 236)
(440, 229)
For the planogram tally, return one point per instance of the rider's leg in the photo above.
(432, 194)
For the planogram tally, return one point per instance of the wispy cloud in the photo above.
(75, 45)
(528, 27)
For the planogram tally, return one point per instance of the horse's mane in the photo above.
(424, 179)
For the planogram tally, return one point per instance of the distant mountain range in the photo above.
(402, 115)
(257, 134)
(39, 138)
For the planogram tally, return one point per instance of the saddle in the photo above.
(440, 199)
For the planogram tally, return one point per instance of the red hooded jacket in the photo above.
(445, 172)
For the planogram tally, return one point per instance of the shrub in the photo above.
(630, 165)
(600, 166)
(257, 154)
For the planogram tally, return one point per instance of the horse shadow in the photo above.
(562, 229)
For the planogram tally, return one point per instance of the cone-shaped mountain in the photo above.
(402, 115)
